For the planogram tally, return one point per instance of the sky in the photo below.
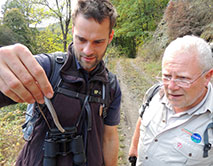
(1, 3)
(44, 23)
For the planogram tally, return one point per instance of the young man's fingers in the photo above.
(24, 77)
(37, 73)
(10, 68)
(7, 92)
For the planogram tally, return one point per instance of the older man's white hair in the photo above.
(189, 44)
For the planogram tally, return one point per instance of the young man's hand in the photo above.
(21, 77)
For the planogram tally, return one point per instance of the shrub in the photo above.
(11, 140)
(187, 18)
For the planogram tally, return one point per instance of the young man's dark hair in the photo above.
(96, 10)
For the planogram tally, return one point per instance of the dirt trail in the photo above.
(129, 111)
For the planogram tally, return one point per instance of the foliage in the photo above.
(60, 10)
(25, 14)
(207, 33)
(137, 18)
(31, 13)
(196, 18)
(50, 39)
(126, 46)
(7, 36)
(15, 22)
(22, 5)
(185, 18)
(47, 42)
(11, 119)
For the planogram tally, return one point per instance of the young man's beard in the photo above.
(88, 66)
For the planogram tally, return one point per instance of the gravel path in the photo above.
(129, 112)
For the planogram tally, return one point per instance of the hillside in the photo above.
(181, 17)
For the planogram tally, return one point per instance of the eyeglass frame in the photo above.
(177, 81)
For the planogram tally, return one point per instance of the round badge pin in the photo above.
(196, 138)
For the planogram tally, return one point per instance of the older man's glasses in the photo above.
(181, 82)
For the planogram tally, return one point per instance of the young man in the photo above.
(175, 129)
(24, 78)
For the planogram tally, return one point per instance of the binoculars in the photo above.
(57, 143)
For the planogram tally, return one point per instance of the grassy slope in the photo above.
(11, 119)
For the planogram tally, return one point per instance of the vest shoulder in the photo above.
(112, 80)
(154, 89)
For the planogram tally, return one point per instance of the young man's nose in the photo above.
(88, 49)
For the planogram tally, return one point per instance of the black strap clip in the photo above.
(207, 145)
(133, 160)
(206, 148)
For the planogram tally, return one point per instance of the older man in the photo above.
(86, 100)
(175, 129)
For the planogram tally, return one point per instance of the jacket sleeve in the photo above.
(4, 100)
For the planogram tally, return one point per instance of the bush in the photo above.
(188, 18)
(11, 119)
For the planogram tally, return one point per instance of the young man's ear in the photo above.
(111, 36)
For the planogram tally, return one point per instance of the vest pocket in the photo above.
(190, 152)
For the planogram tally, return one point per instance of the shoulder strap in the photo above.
(148, 97)
(207, 145)
(57, 60)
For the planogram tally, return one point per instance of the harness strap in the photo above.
(70, 93)
(57, 60)
(89, 115)
(150, 94)
(29, 125)
(81, 96)
(207, 145)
